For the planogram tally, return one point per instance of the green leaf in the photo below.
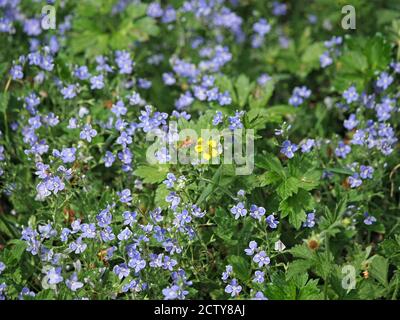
(241, 267)
(211, 186)
(261, 96)
(270, 162)
(302, 251)
(379, 269)
(298, 267)
(17, 250)
(243, 89)
(161, 193)
(340, 171)
(152, 174)
(295, 207)
(288, 187)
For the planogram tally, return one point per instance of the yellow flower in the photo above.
(208, 149)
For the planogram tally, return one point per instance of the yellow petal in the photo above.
(198, 148)
(214, 153)
(212, 143)
(206, 156)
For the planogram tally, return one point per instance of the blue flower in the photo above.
(288, 149)
(369, 220)
(125, 196)
(227, 272)
(67, 155)
(53, 275)
(233, 288)
(218, 118)
(307, 145)
(26, 292)
(129, 218)
(257, 212)
(351, 122)
(259, 296)
(72, 283)
(350, 95)
(272, 221)
(124, 62)
(310, 220)
(173, 199)
(121, 270)
(97, 82)
(259, 276)
(78, 246)
(2, 267)
(69, 91)
(355, 181)
(169, 182)
(261, 258)
(16, 72)
(88, 133)
(384, 80)
(124, 234)
(253, 247)
(109, 159)
(325, 59)
(239, 210)
(171, 293)
(119, 108)
(342, 150)
(366, 172)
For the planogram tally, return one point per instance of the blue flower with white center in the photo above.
(325, 60)
(121, 270)
(125, 196)
(218, 118)
(259, 276)
(88, 230)
(233, 288)
(342, 150)
(67, 155)
(171, 293)
(351, 95)
(369, 220)
(272, 221)
(130, 218)
(366, 172)
(119, 108)
(355, 180)
(88, 133)
(78, 246)
(261, 259)
(384, 80)
(53, 275)
(239, 210)
(69, 91)
(173, 199)
(289, 148)
(72, 283)
(82, 73)
(257, 212)
(124, 234)
(310, 220)
(307, 145)
(97, 82)
(253, 247)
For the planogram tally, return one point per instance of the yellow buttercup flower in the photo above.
(208, 148)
